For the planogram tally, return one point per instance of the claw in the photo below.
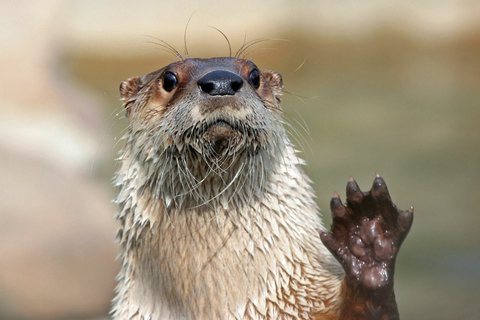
(337, 207)
(404, 221)
(379, 189)
(354, 194)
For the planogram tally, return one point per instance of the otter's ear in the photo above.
(128, 92)
(275, 81)
(129, 89)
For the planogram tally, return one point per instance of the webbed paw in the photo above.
(366, 235)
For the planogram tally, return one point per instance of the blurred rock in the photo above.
(57, 254)
(57, 250)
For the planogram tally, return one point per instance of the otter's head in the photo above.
(203, 116)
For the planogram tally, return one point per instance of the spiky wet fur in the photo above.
(219, 235)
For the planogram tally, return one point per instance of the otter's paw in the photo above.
(366, 235)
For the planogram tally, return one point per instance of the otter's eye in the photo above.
(170, 81)
(254, 78)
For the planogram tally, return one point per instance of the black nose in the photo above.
(220, 83)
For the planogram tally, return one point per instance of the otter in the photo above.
(217, 218)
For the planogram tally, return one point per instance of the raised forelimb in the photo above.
(365, 237)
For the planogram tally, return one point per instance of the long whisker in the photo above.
(168, 47)
(226, 38)
(185, 33)
(246, 46)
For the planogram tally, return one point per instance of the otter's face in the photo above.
(210, 107)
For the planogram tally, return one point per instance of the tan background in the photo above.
(389, 86)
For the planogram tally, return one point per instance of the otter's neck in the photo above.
(251, 250)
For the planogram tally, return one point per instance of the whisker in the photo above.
(226, 38)
(168, 47)
(185, 33)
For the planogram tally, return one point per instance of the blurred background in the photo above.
(388, 86)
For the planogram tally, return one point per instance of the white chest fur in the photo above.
(245, 255)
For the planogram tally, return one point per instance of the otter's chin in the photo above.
(220, 136)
